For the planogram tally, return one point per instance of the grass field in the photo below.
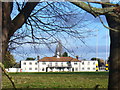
(57, 80)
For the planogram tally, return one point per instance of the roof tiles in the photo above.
(61, 59)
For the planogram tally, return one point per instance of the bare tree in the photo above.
(112, 14)
(37, 23)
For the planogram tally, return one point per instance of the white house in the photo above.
(29, 66)
(88, 65)
(55, 64)
(58, 64)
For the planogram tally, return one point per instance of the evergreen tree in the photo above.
(65, 54)
(9, 60)
(30, 58)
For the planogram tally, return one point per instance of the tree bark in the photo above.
(6, 26)
(114, 71)
(114, 58)
(0, 43)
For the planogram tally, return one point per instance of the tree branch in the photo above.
(103, 2)
(6, 73)
(108, 27)
(21, 18)
(97, 11)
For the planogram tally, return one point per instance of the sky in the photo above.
(95, 44)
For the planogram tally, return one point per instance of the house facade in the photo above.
(58, 64)
(55, 64)
(88, 65)
(29, 66)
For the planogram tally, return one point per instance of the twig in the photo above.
(107, 27)
(9, 77)
(115, 30)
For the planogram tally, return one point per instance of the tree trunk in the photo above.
(6, 23)
(0, 43)
(6, 27)
(114, 73)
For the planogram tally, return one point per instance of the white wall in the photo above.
(88, 65)
(29, 66)
(75, 66)
(13, 69)
(34, 66)
(43, 65)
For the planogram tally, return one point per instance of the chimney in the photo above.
(58, 56)
(76, 57)
(38, 57)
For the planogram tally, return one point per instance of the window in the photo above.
(56, 64)
(50, 63)
(44, 63)
(88, 68)
(30, 63)
(62, 63)
(88, 63)
(35, 63)
(82, 68)
(76, 69)
(93, 63)
(35, 68)
(30, 68)
(93, 68)
(75, 63)
(24, 63)
(68, 62)
(68, 68)
(82, 63)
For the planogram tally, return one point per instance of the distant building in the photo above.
(56, 64)
(29, 66)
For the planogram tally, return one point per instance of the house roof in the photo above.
(61, 59)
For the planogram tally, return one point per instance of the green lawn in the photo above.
(57, 80)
